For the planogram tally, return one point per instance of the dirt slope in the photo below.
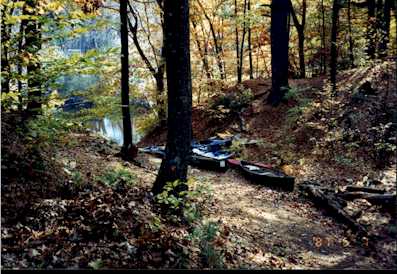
(57, 214)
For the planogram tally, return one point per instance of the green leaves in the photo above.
(97, 264)
(113, 177)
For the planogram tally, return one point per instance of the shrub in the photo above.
(187, 202)
(235, 101)
(204, 235)
(50, 128)
(119, 175)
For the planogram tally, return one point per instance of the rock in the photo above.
(366, 89)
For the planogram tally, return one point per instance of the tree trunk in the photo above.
(159, 78)
(351, 45)
(202, 51)
(174, 166)
(301, 41)
(19, 64)
(158, 72)
(5, 66)
(334, 33)
(128, 149)
(250, 45)
(218, 47)
(241, 61)
(385, 29)
(323, 67)
(371, 30)
(33, 45)
(279, 50)
(378, 25)
(237, 43)
(300, 28)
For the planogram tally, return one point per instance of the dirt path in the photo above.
(271, 229)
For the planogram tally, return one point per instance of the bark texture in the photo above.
(279, 49)
(177, 54)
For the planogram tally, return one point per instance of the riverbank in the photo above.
(69, 202)
(94, 210)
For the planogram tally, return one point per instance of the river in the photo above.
(113, 130)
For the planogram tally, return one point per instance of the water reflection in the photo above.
(113, 130)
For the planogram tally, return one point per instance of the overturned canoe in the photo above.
(154, 150)
(199, 157)
(264, 174)
(212, 144)
(216, 160)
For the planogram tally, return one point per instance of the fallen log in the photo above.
(364, 189)
(375, 199)
(330, 203)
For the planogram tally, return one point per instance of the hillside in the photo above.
(68, 202)
(351, 132)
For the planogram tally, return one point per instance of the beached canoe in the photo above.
(215, 144)
(216, 160)
(154, 150)
(264, 174)
(200, 157)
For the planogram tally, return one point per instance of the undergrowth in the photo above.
(116, 176)
(186, 207)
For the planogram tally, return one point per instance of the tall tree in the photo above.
(19, 63)
(334, 34)
(179, 135)
(371, 29)
(240, 48)
(33, 46)
(251, 69)
(202, 50)
(323, 63)
(157, 71)
(128, 149)
(5, 39)
(300, 28)
(351, 44)
(279, 49)
(217, 42)
(384, 29)
(237, 42)
(241, 60)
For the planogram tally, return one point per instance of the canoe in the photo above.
(237, 163)
(206, 154)
(210, 160)
(212, 144)
(199, 157)
(154, 150)
(264, 174)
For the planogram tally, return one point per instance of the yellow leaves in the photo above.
(17, 4)
(54, 100)
(9, 97)
(55, 6)
(76, 14)
(29, 9)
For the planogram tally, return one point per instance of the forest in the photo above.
(216, 134)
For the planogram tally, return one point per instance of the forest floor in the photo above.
(73, 204)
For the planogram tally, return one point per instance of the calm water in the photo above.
(113, 130)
